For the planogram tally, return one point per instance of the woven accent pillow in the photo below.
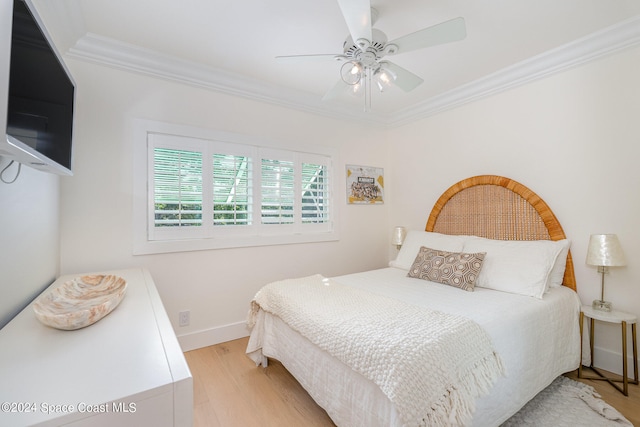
(456, 269)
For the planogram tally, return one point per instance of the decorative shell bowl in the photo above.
(80, 302)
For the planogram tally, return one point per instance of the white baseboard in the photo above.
(611, 361)
(207, 337)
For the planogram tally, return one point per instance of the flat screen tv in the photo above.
(41, 97)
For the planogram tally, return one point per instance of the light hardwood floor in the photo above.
(230, 391)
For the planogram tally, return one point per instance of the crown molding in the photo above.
(112, 53)
(596, 45)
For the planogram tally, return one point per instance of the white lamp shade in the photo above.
(605, 250)
(399, 233)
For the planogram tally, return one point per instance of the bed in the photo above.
(494, 333)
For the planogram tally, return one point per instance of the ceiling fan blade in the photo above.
(404, 79)
(357, 15)
(316, 57)
(445, 32)
(339, 89)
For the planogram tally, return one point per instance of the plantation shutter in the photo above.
(277, 191)
(232, 185)
(315, 193)
(177, 206)
(203, 189)
(177, 183)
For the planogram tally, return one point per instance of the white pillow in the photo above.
(557, 272)
(519, 267)
(416, 239)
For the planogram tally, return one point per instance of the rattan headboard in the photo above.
(497, 208)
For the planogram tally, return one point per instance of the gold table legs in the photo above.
(625, 379)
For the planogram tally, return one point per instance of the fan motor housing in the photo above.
(376, 48)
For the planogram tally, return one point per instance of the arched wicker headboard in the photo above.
(497, 208)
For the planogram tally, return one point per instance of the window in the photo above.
(277, 182)
(206, 193)
(177, 184)
(315, 193)
(231, 190)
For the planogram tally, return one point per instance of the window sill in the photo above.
(148, 247)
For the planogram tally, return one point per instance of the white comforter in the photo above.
(431, 365)
(536, 339)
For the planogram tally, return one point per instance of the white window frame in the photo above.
(148, 239)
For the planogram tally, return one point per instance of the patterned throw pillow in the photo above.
(450, 268)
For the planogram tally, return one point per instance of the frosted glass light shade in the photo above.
(399, 233)
(605, 250)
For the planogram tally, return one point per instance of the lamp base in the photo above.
(601, 305)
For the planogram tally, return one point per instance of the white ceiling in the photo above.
(234, 42)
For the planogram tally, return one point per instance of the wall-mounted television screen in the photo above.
(41, 98)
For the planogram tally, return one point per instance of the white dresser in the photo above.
(126, 370)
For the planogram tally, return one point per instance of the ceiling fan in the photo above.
(365, 47)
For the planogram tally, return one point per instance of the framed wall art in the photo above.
(365, 185)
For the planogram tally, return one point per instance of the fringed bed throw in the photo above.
(431, 365)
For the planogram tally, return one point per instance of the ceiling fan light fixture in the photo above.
(356, 89)
(385, 68)
(351, 72)
(364, 47)
(384, 78)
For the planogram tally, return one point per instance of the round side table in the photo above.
(623, 319)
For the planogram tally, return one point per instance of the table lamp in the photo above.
(604, 251)
(399, 233)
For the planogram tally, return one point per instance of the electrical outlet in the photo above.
(184, 317)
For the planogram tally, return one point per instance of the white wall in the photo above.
(216, 285)
(573, 138)
(29, 240)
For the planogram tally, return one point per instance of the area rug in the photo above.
(567, 403)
